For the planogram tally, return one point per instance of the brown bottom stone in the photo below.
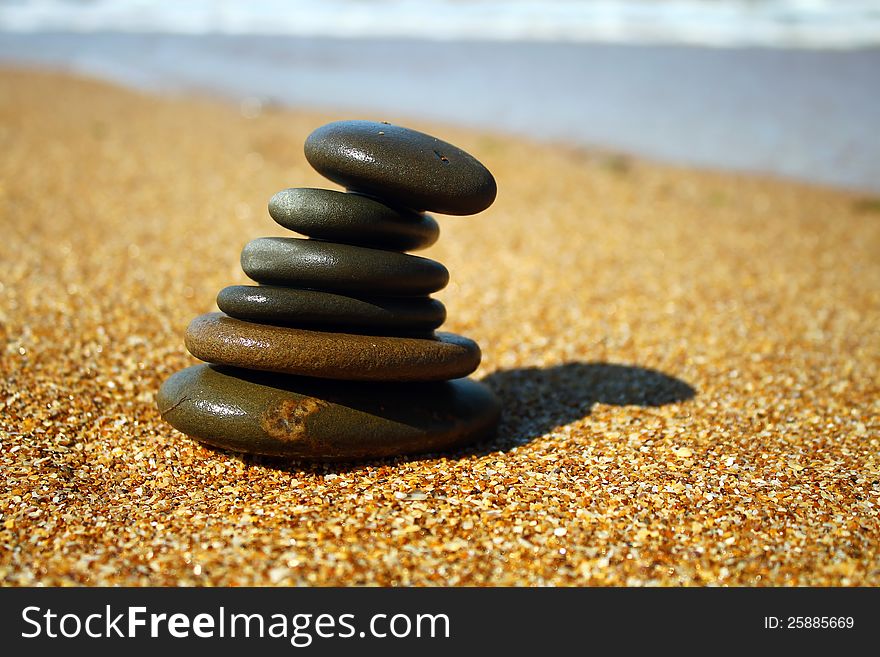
(313, 419)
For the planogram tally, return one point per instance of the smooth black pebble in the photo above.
(286, 306)
(305, 418)
(304, 263)
(352, 219)
(402, 166)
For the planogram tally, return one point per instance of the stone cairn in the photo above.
(334, 356)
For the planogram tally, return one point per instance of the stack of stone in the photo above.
(333, 356)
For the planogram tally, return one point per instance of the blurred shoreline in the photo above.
(810, 115)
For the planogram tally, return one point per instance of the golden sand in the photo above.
(601, 289)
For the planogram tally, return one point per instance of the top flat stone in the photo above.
(401, 166)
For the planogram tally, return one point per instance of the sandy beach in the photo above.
(689, 363)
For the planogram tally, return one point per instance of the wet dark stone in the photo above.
(352, 219)
(401, 166)
(357, 270)
(288, 306)
(303, 418)
(217, 338)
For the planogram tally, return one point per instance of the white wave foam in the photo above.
(775, 23)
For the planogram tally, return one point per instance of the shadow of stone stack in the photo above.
(334, 355)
